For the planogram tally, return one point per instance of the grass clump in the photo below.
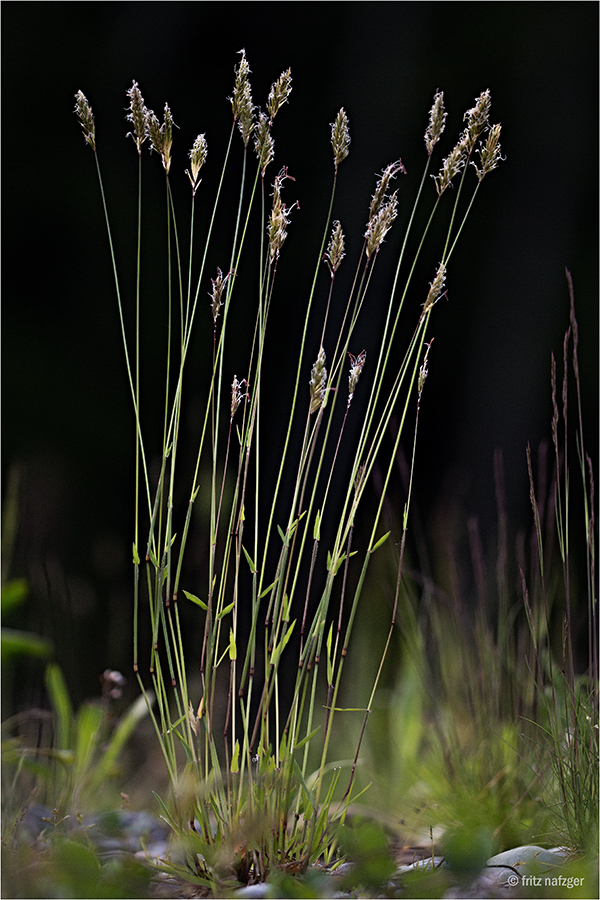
(246, 676)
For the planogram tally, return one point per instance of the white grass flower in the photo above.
(83, 111)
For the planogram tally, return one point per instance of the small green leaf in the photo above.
(381, 541)
(224, 611)
(136, 556)
(306, 739)
(196, 600)
(250, 560)
(235, 765)
(232, 646)
(317, 528)
(329, 662)
(166, 815)
(268, 589)
(281, 534)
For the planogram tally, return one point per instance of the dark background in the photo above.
(67, 419)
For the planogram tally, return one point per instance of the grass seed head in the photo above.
(489, 153)
(380, 224)
(279, 93)
(241, 102)
(237, 395)
(198, 155)
(356, 367)
(263, 142)
(218, 284)
(437, 122)
(318, 383)
(452, 165)
(138, 116)
(161, 136)
(340, 137)
(335, 250)
(279, 218)
(167, 130)
(477, 119)
(435, 288)
(380, 195)
(84, 113)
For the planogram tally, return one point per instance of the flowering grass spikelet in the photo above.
(335, 249)
(197, 155)
(83, 111)
(477, 119)
(138, 116)
(318, 382)
(437, 122)
(489, 153)
(279, 93)
(356, 367)
(340, 137)
(263, 142)
(279, 218)
(218, 284)
(451, 166)
(237, 395)
(241, 102)
(435, 289)
(379, 197)
(380, 224)
(161, 136)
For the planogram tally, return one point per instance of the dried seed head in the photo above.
(138, 116)
(86, 117)
(435, 288)
(489, 153)
(241, 102)
(263, 142)
(340, 138)
(237, 395)
(279, 218)
(279, 93)
(477, 119)
(437, 122)
(318, 383)
(452, 165)
(218, 284)
(379, 197)
(335, 251)
(198, 155)
(356, 367)
(380, 224)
